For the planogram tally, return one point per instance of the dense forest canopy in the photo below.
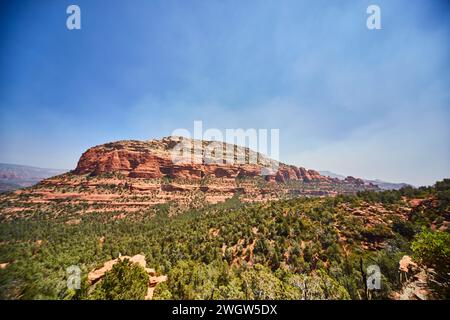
(302, 248)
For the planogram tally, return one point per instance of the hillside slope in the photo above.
(221, 230)
(131, 176)
(304, 248)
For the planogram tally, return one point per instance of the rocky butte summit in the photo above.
(131, 176)
(157, 159)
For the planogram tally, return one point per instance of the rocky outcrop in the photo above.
(414, 280)
(97, 274)
(406, 264)
(135, 176)
(354, 180)
(160, 158)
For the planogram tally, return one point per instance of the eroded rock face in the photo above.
(414, 280)
(354, 180)
(134, 176)
(157, 159)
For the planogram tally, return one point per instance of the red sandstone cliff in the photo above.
(155, 159)
(202, 175)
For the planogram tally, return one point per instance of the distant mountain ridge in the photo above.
(13, 176)
(383, 185)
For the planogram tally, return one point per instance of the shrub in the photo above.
(125, 281)
(433, 250)
(377, 232)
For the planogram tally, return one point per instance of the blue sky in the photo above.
(373, 104)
